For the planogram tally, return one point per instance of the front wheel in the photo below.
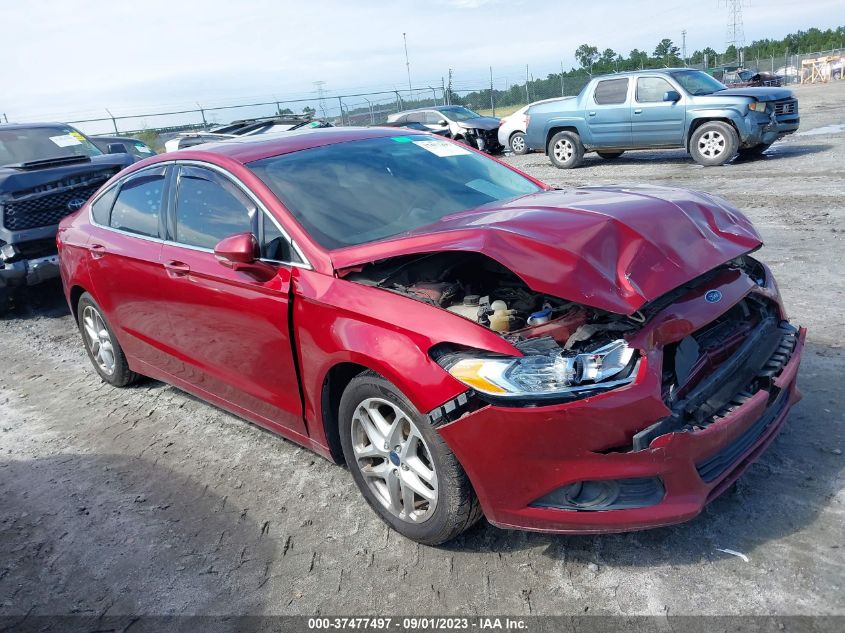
(565, 150)
(714, 143)
(402, 466)
(517, 144)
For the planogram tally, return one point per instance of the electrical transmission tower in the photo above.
(736, 34)
(321, 95)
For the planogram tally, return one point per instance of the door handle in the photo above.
(177, 269)
(592, 113)
(97, 251)
(638, 111)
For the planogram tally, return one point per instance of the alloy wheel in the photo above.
(518, 143)
(564, 149)
(711, 144)
(98, 339)
(394, 459)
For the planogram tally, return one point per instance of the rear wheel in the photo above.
(714, 143)
(610, 155)
(517, 143)
(101, 344)
(565, 150)
(402, 466)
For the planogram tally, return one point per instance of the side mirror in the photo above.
(672, 95)
(241, 253)
(443, 122)
(117, 148)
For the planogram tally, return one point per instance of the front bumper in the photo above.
(517, 456)
(29, 272)
(766, 129)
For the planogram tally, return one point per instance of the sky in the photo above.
(73, 59)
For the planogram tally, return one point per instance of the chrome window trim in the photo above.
(304, 264)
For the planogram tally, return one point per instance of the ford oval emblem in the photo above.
(713, 296)
(75, 204)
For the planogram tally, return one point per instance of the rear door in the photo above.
(231, 330)
(125, 263)
(609, 114)
(655, 122)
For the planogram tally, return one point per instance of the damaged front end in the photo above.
(601, 421)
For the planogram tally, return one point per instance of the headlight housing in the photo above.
(757, 106)
(546, 373)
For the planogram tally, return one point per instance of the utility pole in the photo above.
(202, 113)
(492, 103)
(736, 33)
(561, 79)
(527, 94)
(449, 89)
(320, 94)
(113, 121)
(684, 46)
(407, 64)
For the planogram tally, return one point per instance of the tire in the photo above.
(610, 155)
(565, 150)
(517, 144)
(5, 297)
(374, 417)
(101, 344)
(714, 143)
(754, 152)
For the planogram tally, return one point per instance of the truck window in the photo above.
(610, 91)
(651, 89)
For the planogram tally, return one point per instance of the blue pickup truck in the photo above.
(661, 109)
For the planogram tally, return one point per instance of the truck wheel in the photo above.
(406, 472)
(754, 152)
(610, 155)
(714, 143)
(565, 150)
(517, 143)
(101, 344)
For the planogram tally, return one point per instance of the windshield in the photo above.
(697, 82)
(363, 191)
(459, 114)
(25, 145)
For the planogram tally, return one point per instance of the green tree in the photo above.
(666, 51)
(586, 55)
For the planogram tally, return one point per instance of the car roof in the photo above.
(245, 149)
(646, 71)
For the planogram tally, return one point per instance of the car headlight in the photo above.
(544, 374)
(757, 106)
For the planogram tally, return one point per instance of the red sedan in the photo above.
(469, 340)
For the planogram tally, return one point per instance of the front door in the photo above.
(231, 330)
(655, 122)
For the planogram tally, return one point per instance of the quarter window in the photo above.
(611, 91)
(274, 245)
(651, 89)
(101, 209)
(138, 205)
(210, 208)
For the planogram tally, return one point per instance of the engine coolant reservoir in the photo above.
(500, 320)
(468, 309)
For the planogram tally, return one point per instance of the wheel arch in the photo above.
(74, 296)
(336, 381)
(555, 129)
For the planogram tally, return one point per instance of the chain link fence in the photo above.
(500, 99)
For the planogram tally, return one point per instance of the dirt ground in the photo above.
(146, 500)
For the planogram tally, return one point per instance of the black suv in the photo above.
(47, 170)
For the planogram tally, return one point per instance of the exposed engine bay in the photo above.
(567, 348)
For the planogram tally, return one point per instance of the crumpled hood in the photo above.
(612, 248)
(759, 93)
(481, 123)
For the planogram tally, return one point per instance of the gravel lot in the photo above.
(146, 500)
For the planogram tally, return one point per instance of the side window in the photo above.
(138, 204)
(651, 89)
(611, 91)
(274, 245)
(101, 209)
(415, 117)
(433, 118)
(210, 208)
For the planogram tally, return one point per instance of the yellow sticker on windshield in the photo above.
(77, 136)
